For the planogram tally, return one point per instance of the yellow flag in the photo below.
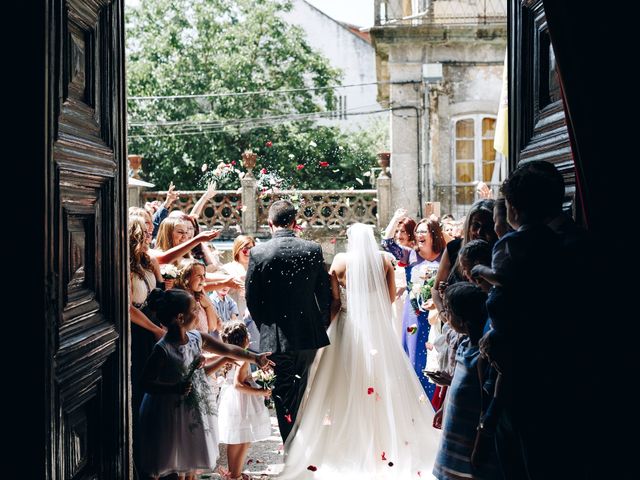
(501, 139)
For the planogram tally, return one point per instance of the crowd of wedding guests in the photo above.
(496, 340)
(188, 310)
(490, 309)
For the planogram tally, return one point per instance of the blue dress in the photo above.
(414, 343)
(461, 415)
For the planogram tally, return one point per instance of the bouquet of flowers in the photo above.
(422, 280)
(199, 399)
(266, 381)
(169, 271)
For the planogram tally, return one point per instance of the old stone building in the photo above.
(440, 66)
(350, 50)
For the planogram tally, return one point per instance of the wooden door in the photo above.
(538, 126)
(86, 266)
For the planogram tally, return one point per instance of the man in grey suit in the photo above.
(288, 295)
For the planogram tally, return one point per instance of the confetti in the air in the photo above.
(313, 468)
(384, 456)
(269, 143)
(369, 390)
(324, 164)
(412, 329)
(313, 144)
(326, 420)
(422, 398)
(291, 155)
(244, 208)
(373, 351)
(359, 181)
(300, 166)
(204, 167)
(287, 417)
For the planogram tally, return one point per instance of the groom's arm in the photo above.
(253, 291)
(323, 289)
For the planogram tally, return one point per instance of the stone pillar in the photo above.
(134, 196)
(383, 185)
(249, 196)
(405, 96)
(135, 184)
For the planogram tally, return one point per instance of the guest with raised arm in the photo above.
(159, 211)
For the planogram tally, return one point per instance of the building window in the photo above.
(475, 159)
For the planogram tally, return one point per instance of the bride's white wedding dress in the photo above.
(365, 414)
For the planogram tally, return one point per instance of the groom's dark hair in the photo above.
(282, 213)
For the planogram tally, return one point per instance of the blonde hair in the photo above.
(164, 241)
(140, 212)
(238, 244)
(139, 259)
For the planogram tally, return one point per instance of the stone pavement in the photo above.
(264, 460)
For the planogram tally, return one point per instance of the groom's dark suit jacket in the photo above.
(288, 293)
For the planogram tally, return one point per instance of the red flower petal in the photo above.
(384, 457)
(313, 468)
(324, 164)
(233, 162)
(333, 240)
(402, 264)
(300, 166)
(419, 474)
(369, 390)
(269, 143)
(287, 417)
(263, 171)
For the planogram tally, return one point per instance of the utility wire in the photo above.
(248, 125)
(221, 122)
(261, 92)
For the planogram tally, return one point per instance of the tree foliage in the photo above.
(178, 47)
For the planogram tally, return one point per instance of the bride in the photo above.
(364, 414)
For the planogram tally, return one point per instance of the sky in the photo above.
(356, 12)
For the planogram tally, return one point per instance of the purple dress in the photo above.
(414, 343)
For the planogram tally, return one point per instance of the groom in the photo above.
(288, 295)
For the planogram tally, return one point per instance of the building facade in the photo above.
(439, 64)
(350, 50)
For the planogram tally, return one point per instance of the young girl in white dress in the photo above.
(243, 417)
(178, 424)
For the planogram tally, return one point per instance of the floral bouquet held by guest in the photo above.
(266, 380)
(422, 280)
(169, 272)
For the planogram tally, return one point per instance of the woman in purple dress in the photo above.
(421, 261)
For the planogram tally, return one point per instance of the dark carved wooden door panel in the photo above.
(538, 130)
(87, 267)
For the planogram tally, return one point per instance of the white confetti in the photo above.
(204, 167)
(373, 351)
(291, 155)
(340, 147)
(366, 174)
(359, 181)
(313, 144)
(244, 208)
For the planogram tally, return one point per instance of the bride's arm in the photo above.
(391, 279)
(335, 287)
